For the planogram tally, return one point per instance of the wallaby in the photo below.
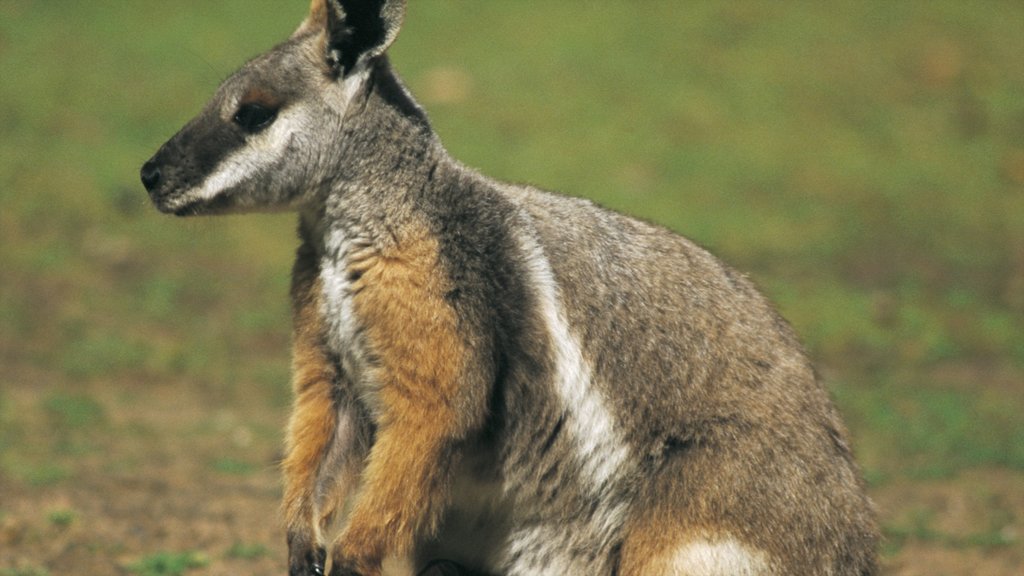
(511, 380)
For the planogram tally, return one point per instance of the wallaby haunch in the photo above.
(515, 381)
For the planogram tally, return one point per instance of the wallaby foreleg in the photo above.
(321, 430)
(423, 401)
(403, 491)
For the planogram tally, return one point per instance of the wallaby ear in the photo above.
(354, 30)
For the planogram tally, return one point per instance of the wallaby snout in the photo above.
(163, 182)
(154, 178)
(180, 177)
(150, 175)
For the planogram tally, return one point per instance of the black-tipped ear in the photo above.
(360, 29)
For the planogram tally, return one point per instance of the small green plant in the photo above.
(233, 467)
(74, 410)
(168, 563)
(247, 551)
(43, 474)
(62, 517)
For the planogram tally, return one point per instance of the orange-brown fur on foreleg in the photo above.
(413, 331)
(314, 417)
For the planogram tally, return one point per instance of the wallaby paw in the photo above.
(309, 563)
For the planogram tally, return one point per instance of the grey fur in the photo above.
(714, 416)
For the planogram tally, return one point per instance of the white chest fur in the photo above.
(338, 307)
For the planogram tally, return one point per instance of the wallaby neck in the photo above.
(385, 170)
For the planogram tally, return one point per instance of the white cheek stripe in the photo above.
(262, 149)
(267, 148)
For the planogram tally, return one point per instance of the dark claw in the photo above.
(312, 564)
(316, 560)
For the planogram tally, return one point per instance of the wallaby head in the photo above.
(271, 136)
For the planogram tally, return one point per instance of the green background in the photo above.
(862, 161)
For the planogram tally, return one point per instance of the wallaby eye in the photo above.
(253, 117)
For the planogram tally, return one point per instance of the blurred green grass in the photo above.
(863, 161)
(168, 564)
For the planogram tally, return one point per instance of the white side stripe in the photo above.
(601, 452)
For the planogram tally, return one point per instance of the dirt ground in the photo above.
(167, 471)
(156, 483)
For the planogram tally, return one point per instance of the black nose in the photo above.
(150, 174)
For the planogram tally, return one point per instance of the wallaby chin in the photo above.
(511, 380)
